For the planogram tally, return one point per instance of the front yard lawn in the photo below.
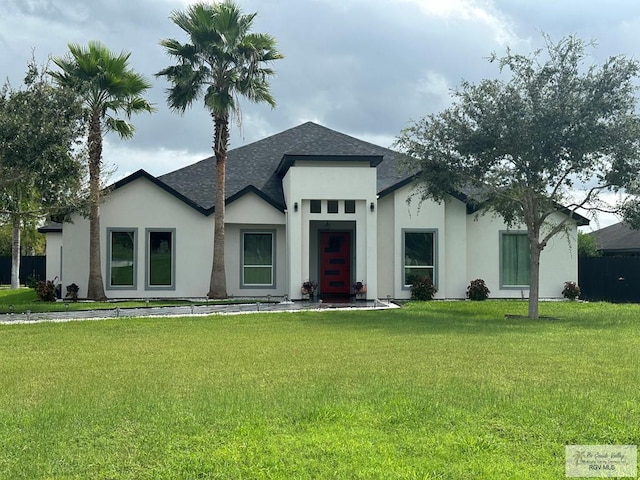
(439, 390)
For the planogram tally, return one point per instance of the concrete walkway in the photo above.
(188, 310)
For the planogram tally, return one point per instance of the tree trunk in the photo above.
(534, 278)
(218, 283)
(95, 289)
(15, 253)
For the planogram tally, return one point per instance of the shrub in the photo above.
(571, 290)
(587, 246)
(32, 281)
(46, 291)
(422, 288)
(478, 290)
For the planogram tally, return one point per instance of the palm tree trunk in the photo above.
(15, 253)
(95, 289)
(218, 283)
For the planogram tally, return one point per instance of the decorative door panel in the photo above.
(335, 262)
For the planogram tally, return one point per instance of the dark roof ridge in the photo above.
(155, 180)
(253, 189)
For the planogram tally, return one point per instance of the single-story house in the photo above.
(306, 204)
(617, 240)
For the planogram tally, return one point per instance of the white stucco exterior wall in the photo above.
(250, 213)
(53, 263)
(75, 254)
(558, 261)
(467, 247)
(427, 215)
(455, 254)
(142, 205)
(387, 258)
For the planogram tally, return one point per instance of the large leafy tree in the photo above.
(109, 89)
(40, 172)
(222, 60)
(556, 131)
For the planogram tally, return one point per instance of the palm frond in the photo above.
(222, 61)
(119, 126)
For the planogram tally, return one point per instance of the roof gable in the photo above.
(144, 174)
(260, 164)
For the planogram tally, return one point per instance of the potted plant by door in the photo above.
(360, 289)
(308, 289)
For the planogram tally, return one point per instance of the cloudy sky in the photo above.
(362, 67)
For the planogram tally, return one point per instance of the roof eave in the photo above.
(50, 228)
(288, 160)
(472, 206)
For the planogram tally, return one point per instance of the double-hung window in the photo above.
(419, 255)
(515, 257)
(258, 257)
(121, 258)
(160, 259)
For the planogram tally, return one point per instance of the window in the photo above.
(257, 259)
(160, 259)
(419, 255)
(349, 206)
(332, 206)
(316, 206)
(121, 258)
(514, 259)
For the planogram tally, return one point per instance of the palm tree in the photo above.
(223, 61)
(107, 87)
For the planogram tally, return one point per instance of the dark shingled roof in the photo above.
(617, 238)
(259, 167)
(254, 167)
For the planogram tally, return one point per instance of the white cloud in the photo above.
(385, 141)
(434, 83)
(469, 10)
(157, 162)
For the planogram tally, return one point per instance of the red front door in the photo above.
(335, 262)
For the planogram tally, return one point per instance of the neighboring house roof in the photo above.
(617, 238)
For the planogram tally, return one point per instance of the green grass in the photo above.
(441, 390)
(25, 299)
